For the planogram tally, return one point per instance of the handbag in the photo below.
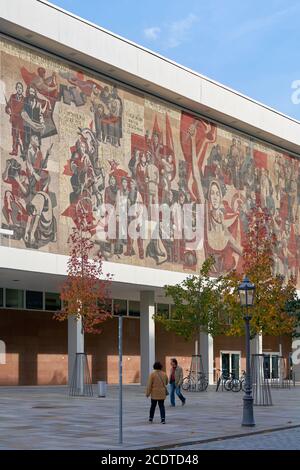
(167, 391)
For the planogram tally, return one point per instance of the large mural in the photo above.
(71, 141)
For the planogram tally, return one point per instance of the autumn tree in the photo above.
(197, 304)
(86, 292)
(273, 292)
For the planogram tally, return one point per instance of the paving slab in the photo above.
(46, 417)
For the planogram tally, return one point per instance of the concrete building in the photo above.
(85, 115)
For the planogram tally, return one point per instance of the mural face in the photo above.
(70, 142)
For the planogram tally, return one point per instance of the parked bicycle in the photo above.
(228, 381)
(243, 380)
(195, 382)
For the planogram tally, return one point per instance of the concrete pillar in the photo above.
(75, 343)
(147, 333)
(207, 353)
(256, 344)
(296, 356)
(2, 352)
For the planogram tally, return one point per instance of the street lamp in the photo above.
(120, 341)
(246, 292)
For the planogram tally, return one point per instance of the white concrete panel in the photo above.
(147, 334)
(75, 343)
(41, 262)
(207, 353)
(169, 76)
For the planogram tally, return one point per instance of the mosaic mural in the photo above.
(71, 141)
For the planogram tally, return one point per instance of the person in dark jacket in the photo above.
(176, 379)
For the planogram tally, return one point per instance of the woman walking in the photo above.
(157, 389)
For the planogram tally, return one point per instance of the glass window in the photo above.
(120, 307)
(106, 304)
(52, 301)
(14, 298)
(163, 310)
(172, 311)
(134, 309)
(1, 297)
(34, 300)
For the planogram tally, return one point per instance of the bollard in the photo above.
(102, 388)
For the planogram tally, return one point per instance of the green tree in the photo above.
(197, 304)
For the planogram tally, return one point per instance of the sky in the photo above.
(252, 46)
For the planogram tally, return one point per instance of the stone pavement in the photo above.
(47, 418)
(288, 439)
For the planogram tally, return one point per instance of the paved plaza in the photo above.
(47, 418)
(288, 439)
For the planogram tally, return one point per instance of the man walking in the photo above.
(176, 379)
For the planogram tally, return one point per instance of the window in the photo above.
(172, 311)
(230, 363)
(14, 298)
(271, 365)
(34, 300)
(106, 305)
(1, 297)
(120, 307)
(163, 310)
(52, 301)
(134, 309)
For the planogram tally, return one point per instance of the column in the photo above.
(296, 356)
(2, 352)
(256, 344)
(207, 353)
(75, 343)
(147, 333)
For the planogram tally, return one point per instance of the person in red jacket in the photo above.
(14, 108)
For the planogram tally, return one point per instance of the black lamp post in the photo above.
(246, 292)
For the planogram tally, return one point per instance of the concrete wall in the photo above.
(36, 349)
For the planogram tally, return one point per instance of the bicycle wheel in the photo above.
(202, 385)
(186, 384)
(228, 385)
(236, 385)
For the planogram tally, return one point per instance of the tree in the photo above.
(293, 309)
(273, 292)
(85, 293)
(197, 305)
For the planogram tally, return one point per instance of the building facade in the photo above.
(82, 127)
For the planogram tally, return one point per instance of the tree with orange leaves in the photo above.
(273, 292)
(85, 294)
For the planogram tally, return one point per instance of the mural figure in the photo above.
(32, 115)
(14, 107)
(41, 225)
(105, 144)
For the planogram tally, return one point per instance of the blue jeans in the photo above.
(174, 389)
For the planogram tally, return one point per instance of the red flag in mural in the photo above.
(205, 134)
(169, 136)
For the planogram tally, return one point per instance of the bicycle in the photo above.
(190, 383)
(223, 377)
(229, 382)
(233, 384)
(243, 380)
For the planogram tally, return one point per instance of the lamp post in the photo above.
(246, 292)
(120, 340)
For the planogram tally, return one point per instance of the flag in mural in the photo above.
(72, 141)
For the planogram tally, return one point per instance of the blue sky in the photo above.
(252, 46)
